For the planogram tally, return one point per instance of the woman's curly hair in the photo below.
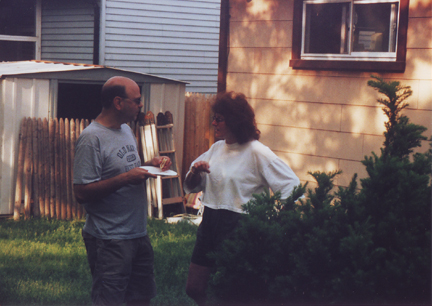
(238, 114)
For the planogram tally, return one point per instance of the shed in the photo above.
(45, 89)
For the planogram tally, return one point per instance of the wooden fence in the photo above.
(44, 175)
(44, 184)
(198, 132)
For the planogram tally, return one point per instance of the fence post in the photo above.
(28, 169)
(19, 178)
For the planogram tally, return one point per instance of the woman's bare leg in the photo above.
(197, 281)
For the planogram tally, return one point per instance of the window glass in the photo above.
(16, 50)
(326, 28)
(375, 27)
(349, 28)
(18, 17)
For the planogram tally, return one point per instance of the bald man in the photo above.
(109, 182)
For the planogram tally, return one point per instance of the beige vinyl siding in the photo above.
(320, 120)
(67, 31)
(178, 39)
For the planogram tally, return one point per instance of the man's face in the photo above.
(132, 103)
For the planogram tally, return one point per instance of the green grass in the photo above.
(43, 262)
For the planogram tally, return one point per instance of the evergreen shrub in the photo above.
(366, 244)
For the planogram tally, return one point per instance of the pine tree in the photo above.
(397, 198)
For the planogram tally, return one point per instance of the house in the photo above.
(304, 66)
(44, 89)
(176, 39)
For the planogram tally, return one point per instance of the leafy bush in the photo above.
(356, 245)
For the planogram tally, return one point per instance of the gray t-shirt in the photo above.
(102, 153)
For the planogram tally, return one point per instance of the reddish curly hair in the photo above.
(238, 114)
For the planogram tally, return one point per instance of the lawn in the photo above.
(43, 262)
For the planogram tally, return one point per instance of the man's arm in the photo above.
(101, 189)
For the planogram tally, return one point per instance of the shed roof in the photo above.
(74, 71)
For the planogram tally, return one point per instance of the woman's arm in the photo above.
(193, 178)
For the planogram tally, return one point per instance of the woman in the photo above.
(228, 174)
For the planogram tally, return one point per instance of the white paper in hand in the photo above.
(158, 171)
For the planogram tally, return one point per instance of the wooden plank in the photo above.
(80, 127)
(57, 169)
(28, 169)
(73, 139)
(47, 166)
(148, 183)
(41, 167)
(52, 130)
(201, 122)
(19, 178)
(154, 136)
(67, 144)
(159, 197)
(62, 170)
(172, 200)
(188, 134)
(36, 164)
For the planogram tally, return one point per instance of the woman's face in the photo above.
(221, 130)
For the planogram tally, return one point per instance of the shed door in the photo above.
(78, 101)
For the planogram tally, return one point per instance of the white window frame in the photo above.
(351, 55)
(36, 39)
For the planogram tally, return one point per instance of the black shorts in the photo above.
(216, 226)
(122, 270)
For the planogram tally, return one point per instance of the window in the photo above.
(19, 30)
(350, 34)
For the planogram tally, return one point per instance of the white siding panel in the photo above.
(177, 28)
(21, 98)
(165, 34)
(167, 52)
(180, 62)
(67, 31)
(160, 46)
(168, 4)
(158, 11)
(70, 43)
(161, 40)
(201, 22)
(172, 38)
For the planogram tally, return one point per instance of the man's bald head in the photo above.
(115, 87)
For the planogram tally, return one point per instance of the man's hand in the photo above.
(138, 175)
(158, 160)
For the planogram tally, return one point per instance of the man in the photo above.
(109, 182)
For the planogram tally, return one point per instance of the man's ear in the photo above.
(118, 103)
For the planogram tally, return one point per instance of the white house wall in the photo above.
(20, 98)
(67, 31)
(177, 39)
